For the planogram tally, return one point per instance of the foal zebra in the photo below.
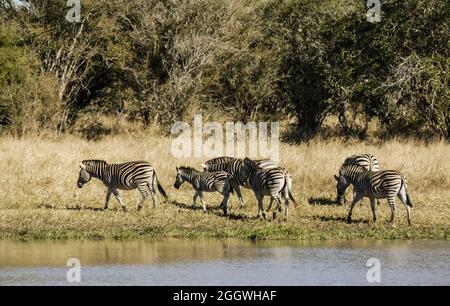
(205, 181)
(234, 167)
(271, 182)
(125, 176)
(374, 185)
(367, 161)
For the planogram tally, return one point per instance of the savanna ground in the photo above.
(40, 199)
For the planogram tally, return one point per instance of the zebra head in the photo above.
(341, 187)
(84, 176)
(248, 166)
(179, 180)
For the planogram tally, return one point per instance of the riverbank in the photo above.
(40, 199)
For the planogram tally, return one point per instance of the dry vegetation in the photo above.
(40, 200)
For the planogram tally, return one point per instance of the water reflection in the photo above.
(225, 262)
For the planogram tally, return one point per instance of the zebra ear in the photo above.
(82, 166)
(336, 178)
(177, 169)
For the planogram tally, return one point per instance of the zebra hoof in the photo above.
(125, 209)
(349, 220)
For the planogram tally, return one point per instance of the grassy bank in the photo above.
(40, 200)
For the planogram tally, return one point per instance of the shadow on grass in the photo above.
(322, 201)
(90, 208)
(216, 210)
(339, 219)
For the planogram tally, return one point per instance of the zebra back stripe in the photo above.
(368, 161)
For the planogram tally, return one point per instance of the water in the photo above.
(225, 262)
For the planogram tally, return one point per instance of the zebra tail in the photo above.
(161, 190)
(408, 199)
(291, 197)
(288, 184)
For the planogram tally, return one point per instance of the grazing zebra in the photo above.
(234, 167)
(205, 181)
(374, 185)
(367, 161)
(125, 176)
(271, 182)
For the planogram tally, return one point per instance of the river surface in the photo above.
(225, 262)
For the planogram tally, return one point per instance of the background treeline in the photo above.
(317, 66)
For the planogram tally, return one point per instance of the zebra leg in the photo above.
(239, 194)
(195, 199)
(358, 197)
(286, 209)
(224, 204)
(151, 187)
(260, 197)
(402, 197)
(270, 204)
(145, 191)
(201, 200)
(116, 194)
(278, 207)
(108, 196)
(372, 206)
(391, 201)
(153, 195)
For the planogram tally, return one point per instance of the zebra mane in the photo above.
(251, 163)
(92, 162)
(187, 170)
(352, 168)
(220, 160)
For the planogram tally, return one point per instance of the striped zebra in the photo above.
(367, 161)
(268, 181)
(207, 181)
(374, 185)
(234, 167)
(125, 176)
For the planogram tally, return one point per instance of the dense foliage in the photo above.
(155, 62)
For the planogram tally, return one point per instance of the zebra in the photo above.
(125, 176)
(268, 181)
(374, 185)
(234, 166)
(367, 161)
(208, 181)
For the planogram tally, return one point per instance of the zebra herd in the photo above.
(226, 175)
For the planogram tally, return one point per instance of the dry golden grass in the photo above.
(39, 197)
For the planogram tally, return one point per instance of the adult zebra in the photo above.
(234, 167)
(268, 181)
(125, 176)
(205, 182)
(374, 185)
(367, 161)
